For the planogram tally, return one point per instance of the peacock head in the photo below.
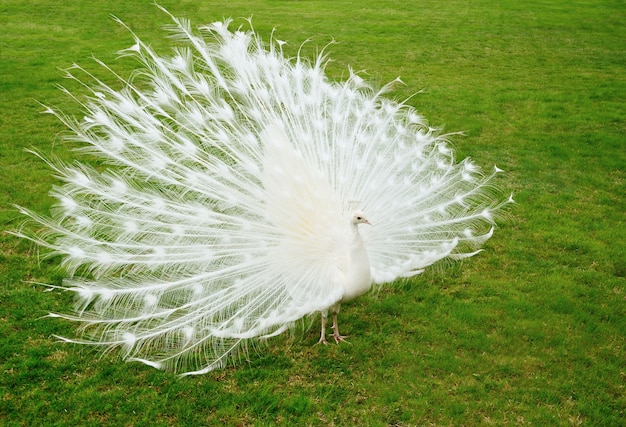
(359, 218)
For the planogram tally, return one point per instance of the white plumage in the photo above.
(230, 196)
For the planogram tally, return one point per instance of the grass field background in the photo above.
(531, 331)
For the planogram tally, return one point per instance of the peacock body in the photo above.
(235, 197)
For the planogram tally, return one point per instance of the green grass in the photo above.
(532, 331)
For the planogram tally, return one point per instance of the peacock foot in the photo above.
(338, 338)
(322, 341)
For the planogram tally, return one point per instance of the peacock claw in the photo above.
(338, 338)
(322, 341)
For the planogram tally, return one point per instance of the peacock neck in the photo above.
(358, 280)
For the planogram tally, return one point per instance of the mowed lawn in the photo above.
(531, 331)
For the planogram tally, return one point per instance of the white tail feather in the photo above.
(224, 213)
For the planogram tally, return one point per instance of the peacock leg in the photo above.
(336, 334)
(323, 335)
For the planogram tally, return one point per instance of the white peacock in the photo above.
(235, 184)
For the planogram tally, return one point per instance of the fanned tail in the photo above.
(224, 197)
